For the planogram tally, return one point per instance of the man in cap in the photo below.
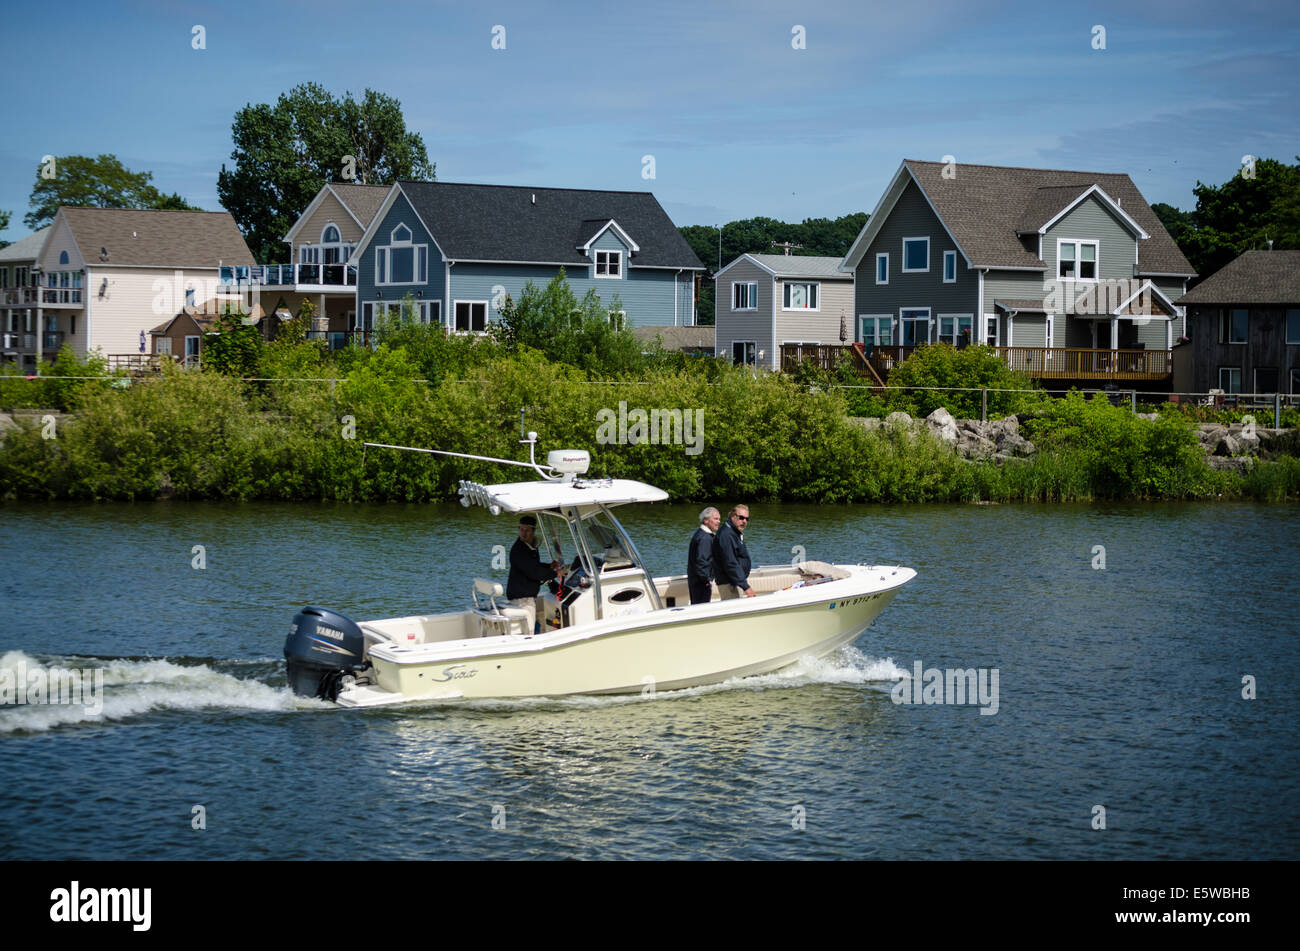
(528, 571)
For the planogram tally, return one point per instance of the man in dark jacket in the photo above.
(699, 560)
(731, 557)
(528, 571)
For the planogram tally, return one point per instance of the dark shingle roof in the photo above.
(154, 238)
(1046, 202)
(1257, 277)
(984, 205)
(501, 223)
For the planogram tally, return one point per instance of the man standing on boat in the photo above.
(731, 557)
(528, 571)
(700, 561)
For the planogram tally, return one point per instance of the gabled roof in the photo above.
(359, 201)
(983, 207)
(522, 224)
(135, 237)
(25, 249)
(1257, 277)
(792, 266)
(593, 228)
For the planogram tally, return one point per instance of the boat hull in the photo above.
(668, 649)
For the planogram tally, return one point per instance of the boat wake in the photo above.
(42, 692)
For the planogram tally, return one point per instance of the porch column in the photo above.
(40, 332)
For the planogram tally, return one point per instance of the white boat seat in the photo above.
(502, 621)
(489, 588)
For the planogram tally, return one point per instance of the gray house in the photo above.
(1244, 325)
(1070, 274)
(767, 301)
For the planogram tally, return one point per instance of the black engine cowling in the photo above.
(322, 646)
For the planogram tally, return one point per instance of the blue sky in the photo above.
(738, 121)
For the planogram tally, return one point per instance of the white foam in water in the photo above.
(134, 687)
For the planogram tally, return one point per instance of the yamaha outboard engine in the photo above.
(323, 646)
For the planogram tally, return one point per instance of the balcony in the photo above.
(296, 276)
(20, 296)
(60, 296)
(338, 339)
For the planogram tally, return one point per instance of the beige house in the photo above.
(105, 277)
(320, 243)
(765, 301)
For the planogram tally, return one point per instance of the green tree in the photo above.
(233, 346)
(100, 182)
(1240, 215)
(589, 334)
(284, 153)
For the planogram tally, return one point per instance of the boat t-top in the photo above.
(611, 628)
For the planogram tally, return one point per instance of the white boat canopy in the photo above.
(541, 496)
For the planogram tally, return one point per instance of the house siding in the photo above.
(367, 290)
(822, 326)
(132, 304)
(911, 217)
(330, 209)
(1266, 346)
(60, 239)
(756, 325)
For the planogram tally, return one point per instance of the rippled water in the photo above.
(1119, 687)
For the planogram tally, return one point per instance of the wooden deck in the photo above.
(1041, 363)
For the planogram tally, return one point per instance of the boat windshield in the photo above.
(604, 542)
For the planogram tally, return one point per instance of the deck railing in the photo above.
(290, 275)
(1047, 363)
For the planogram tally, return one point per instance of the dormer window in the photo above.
(609, 263)
(401, 235)
(63, 257)
(1076, 260)
(330, 235)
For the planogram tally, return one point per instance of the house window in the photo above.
(950, 267)
(63, 257)
(4, 277)
(882, 268)
(471, 316)
(400, 261)
(191, 350)
(916, 255)
(744, 296)
(990, 330)
(800, 297)
(1295, 380)
(915, 326)
(1076, 260)
(1266, 380)
(1293, 326)
(1230, 379)
(20, 277)
(163, 345)
(609, 263)
(1234, 326)
(876, 331)
(956, 329)
(618, 319)
(742, 352)
(189, 297)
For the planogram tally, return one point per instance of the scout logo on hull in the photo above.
(455, 672)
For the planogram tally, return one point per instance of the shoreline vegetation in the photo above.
(767, 437)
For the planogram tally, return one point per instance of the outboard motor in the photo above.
(323, 646)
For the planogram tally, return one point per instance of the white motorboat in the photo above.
(611, 628)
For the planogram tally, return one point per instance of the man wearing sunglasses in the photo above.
(731, 557)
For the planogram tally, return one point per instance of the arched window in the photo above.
(330, 235)
(63, 257)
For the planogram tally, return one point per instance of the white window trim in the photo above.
(752, 294)
(802, 310)
(885, 255)
(487, 310)
(950, 256)
(991, 323)
(917, 270)
(416, 277)
(929, 326)
(1078, 258)
(752, 343)
(1228, 389)
(861, 338)
(939, 318)
(595, 265)
(392, 235)
(1049, 330)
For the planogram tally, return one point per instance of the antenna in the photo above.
(787, 246)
